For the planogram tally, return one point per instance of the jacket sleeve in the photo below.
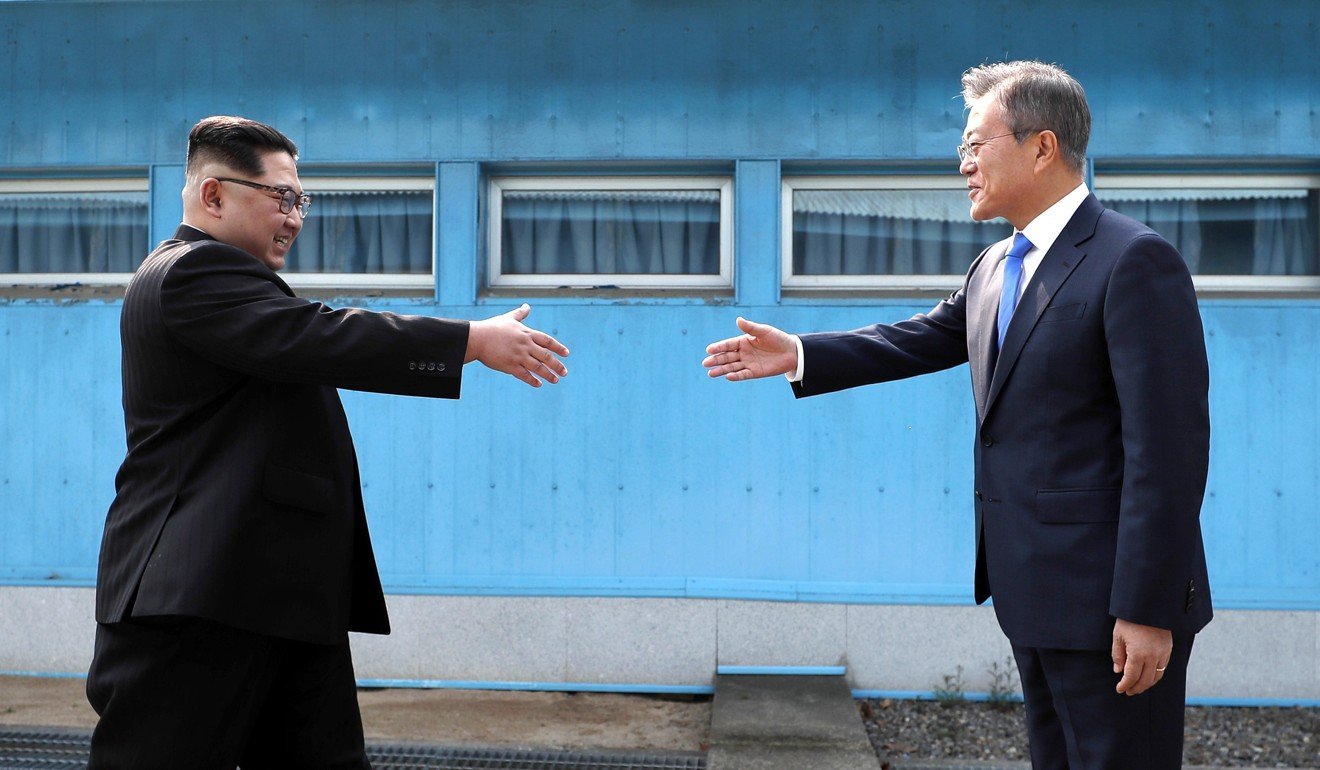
(230, 309)
(924, 343)
(1157, 356)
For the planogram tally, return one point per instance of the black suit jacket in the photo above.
(239, 498)
(1092, 429)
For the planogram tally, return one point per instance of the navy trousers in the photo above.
(184, 692)
(1076, 720)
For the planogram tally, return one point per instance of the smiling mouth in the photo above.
(282, 240)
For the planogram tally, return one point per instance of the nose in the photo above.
(967, 165)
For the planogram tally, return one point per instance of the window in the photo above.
(624, 232)
(365, 231)
(1244, 232)
(880, 232)
(66, 230)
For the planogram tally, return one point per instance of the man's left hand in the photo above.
(1140, 654)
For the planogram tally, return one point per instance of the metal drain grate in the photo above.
(957, 764)
(55, 749)
(433, 758)
(43, 749)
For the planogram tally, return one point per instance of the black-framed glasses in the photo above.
(969, 149)
(288, 197)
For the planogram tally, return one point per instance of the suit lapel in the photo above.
(1058, 263)
(984, 290)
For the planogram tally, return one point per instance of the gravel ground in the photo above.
(1215, 736)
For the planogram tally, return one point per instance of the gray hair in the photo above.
(1035, 97)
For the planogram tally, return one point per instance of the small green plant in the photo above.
(952, 691)
(1003, 690)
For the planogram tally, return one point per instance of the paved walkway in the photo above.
(786, 723)
(753, 723)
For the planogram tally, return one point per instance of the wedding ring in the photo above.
(1160, 670)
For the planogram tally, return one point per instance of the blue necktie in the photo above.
(1008, 298)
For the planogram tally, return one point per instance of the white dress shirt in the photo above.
(1042, 231)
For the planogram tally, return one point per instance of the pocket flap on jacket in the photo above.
(1074, 506)
(1063, 312)
(298, 489)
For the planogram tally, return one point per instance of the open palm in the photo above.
(761, 351)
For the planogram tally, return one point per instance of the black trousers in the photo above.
(190, 693)
(1076, 720)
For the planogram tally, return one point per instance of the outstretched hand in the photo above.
(505, 344)
(761, 351)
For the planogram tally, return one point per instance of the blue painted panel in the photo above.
(1265, 458)
(64, 437)
(657, 471)
(756, 232)
(90, 84)
(166, 202)
(640, 476)
(456, 237)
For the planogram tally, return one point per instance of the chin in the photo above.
(981, 213)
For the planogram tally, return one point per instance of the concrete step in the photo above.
(786, 722)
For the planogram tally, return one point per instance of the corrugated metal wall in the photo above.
(638, 476)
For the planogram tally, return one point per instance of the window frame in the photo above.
(496, 279)
(314, 184)
(74, 185)
(1224, 284)
(876, 282)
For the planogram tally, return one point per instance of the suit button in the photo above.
(987, 440)
(412, 366)
(440, 367)
(430, 366)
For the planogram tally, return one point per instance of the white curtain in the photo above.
(654, 233)
(1231, 232)
(365, 233)
(72, 234)
(859, 244)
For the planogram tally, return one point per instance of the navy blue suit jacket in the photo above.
(1092, 429)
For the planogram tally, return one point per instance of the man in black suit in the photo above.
(1089, 375)
(236, 556)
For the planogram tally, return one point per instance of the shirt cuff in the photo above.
(796, 374)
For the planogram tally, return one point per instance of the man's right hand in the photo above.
(505, 344)
(762, 351)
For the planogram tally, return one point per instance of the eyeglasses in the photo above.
(969, 149)
(288, 198)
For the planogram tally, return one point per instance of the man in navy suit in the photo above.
(1089, 374)
(236, 556)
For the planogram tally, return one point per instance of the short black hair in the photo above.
(236, 142)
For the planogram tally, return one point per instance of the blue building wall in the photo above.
(637, 475)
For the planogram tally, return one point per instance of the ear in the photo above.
(1047, 149)
(212, 199)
